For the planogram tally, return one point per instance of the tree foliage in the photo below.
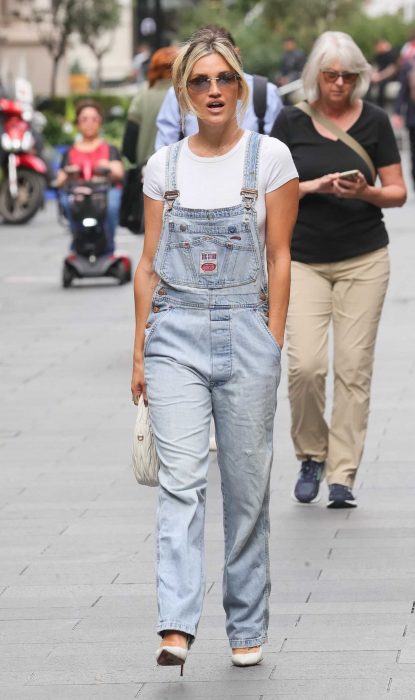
(56, 21)
(96, 21)
(260, 27)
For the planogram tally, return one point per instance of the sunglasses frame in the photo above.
(346, 76)
(229, 77)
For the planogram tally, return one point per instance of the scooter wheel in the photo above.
(67, 277)
(121, 273)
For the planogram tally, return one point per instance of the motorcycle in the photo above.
(24, 173)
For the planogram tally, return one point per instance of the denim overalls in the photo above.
(208, 351)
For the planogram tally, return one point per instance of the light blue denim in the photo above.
(208, 351)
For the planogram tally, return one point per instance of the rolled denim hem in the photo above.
(252, 642)
(175, 626)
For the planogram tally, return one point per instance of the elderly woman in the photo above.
(340, 265)
(209, 327)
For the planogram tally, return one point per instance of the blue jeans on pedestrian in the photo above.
(111, 221)
(208, 352)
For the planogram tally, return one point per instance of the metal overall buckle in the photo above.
(170, 196)
(249, 196)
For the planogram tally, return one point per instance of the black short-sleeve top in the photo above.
(330, 229)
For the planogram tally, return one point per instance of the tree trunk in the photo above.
(55, 66)
(99, 71)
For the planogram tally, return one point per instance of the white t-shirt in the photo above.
(212, 183)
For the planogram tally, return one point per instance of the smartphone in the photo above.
(351, 175)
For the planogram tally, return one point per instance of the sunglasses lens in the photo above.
(332, 75)
(226, 80)
(199, 84)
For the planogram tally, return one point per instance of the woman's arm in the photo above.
(145, 281)
(116, 167)
(391, 193)
(60, 178)
(282, 208)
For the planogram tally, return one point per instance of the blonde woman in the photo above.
(209, 331)
(340, 266)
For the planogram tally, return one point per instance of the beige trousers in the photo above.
(349, 293)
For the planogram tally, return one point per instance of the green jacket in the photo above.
(143, 111)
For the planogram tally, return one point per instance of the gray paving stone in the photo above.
(300, 689)
(36, 631)
(348, 640)
(113, 691)
(77, 601)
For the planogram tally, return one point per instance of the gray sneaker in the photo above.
(341, 496)
(308, 484)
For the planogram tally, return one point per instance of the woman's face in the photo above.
(89, 122)
(215, 101)
(336, 89)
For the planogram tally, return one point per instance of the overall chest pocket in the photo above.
(197, 257)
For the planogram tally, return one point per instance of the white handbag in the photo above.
(145, 458)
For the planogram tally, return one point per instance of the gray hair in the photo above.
(335, 47)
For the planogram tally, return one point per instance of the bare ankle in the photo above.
(174, 638)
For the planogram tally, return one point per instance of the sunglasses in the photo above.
(330, 76)
(202, 83)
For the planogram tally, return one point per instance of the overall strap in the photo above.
(249, 191)
(171, 192)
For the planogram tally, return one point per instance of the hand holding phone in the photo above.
(350, 175)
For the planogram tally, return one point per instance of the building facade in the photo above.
(22, 54)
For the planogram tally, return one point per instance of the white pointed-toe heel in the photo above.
(172, 656)
(250, 659)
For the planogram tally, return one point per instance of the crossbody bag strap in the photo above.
(340, 133)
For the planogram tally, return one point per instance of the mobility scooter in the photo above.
(87, 211)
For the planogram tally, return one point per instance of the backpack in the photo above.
(260, 100)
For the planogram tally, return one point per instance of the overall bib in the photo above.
(208, 351)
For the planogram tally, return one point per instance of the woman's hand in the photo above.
(138, 384)
(348, 189)
(115, 167)
(325, 184)
(278, 335)
(321, 185)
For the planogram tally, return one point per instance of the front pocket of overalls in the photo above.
(153, 323)
(262, 321)
(209, 262)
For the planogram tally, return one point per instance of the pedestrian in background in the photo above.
(404, 113)
(340, 266)
(140, 63)
(208, 341)
(169, 122)
(385, 64)
(292, 62)
(140, 133)
(141, 130)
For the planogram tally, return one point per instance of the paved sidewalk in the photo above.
(77, 603)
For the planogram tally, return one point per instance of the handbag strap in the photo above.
(340, 133)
